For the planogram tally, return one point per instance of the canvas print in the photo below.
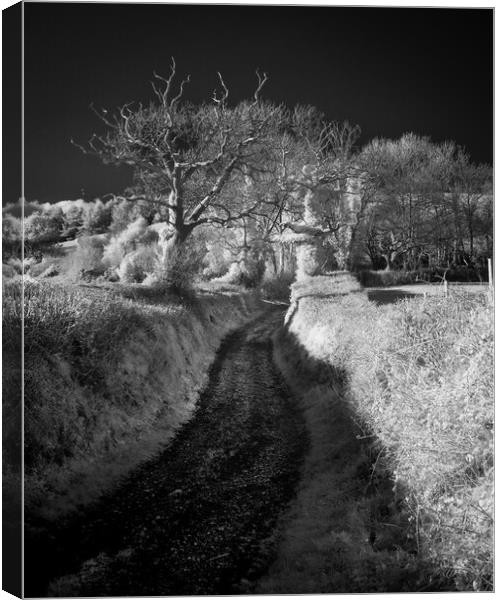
(247, 300)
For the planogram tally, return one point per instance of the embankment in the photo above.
(108, 381)
(397, 493)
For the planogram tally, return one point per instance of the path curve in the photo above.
(199, 518)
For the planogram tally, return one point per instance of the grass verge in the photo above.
(417, 379)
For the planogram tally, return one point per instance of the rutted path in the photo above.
(199, 518)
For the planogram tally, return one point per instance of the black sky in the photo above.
(390, 70)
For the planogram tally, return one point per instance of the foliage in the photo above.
(137, 265)
(124, 242)
(87, 259)
(124, 212)
(43, 228)
(73, 221)
(11, 237)
(97, 218)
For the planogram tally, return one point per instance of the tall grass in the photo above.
(78, 337)
(419, 377)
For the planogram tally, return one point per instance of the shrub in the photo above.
(137, 265)
(97, 217)
(11, 236)
(87, 261)
(41, 229)
(124, 243)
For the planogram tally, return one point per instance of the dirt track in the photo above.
(199, 518)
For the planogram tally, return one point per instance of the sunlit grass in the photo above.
(419, 375)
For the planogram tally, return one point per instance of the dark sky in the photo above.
(390, 70)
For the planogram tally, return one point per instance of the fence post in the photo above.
(445, 288)
(490, 274)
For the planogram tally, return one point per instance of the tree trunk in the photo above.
(171, 241)
(387, 262)
(471, 242)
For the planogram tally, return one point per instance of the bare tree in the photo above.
(187, 156)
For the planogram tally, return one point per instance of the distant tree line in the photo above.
(428, 205)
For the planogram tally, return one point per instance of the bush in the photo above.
(86, 261)
(11, 236)
(124, 243)
(135, 266)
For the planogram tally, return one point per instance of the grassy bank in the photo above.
(109, 376)
(417, 380)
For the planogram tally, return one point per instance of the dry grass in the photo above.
(419, 376)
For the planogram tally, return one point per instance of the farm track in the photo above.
(199, 518)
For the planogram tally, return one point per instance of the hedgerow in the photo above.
(419, 378)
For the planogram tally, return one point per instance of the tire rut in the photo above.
(197, 519)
